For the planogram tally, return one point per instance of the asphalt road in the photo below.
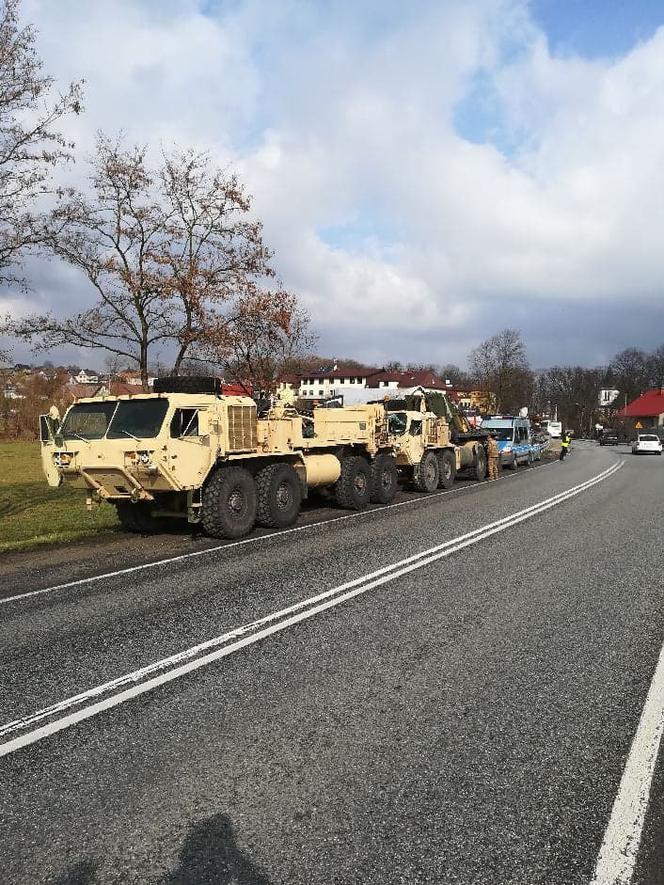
(392, 710)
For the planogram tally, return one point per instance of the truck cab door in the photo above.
(192, 447)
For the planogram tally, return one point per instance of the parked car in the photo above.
(647, 444)
(609, 438)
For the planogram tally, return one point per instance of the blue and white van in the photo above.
(514, 440)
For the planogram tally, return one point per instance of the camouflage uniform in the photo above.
(493, 454)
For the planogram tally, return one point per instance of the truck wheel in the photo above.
(278, 496)
(136, 518)
(480, 464)
(515, 462)
(426, 474)
(446, 470)
(353, 488)
(229, 503)
(384, 479)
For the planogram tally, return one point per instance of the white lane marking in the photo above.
(618, 853)
(195, 650)
(300, 528)
(283, 619)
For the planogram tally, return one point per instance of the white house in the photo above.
(87, 376)
(331, 381)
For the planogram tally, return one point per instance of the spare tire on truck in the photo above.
(384, 479)
(279, 496)
(353, 488)
(229, 503)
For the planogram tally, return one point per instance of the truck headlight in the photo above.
(62, 459)
(507, 449)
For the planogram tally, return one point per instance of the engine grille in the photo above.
(242, 428)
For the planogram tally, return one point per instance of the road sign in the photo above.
(638, 426)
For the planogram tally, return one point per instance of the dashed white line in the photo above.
(189, 660)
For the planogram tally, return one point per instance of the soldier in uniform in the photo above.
(493, 454)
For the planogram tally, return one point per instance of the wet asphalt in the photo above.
(466, 722)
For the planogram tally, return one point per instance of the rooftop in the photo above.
(647, 405)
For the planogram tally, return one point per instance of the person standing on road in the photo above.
(493, 454)
(564, 444)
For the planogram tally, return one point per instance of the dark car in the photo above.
(609, 438)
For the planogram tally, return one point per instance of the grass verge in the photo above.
(32, 514)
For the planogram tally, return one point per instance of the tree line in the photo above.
(173, 257)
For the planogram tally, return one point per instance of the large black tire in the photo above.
(515, 462)
(229, 503)
(384, 479)
(427, 473)
(136, 518)
(353, 488)
(279, 496)
(446, 470)
(480, 465)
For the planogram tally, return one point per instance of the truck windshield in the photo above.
(502, 433)
(397, 423)
(138, 418)
(88, 420)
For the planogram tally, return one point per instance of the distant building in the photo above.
(133, 377)
(331, 381)
(86, 376)
(646, 410)
(477, 402)
(405, 379)
(607, 396)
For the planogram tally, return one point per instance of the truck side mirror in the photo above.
(49, 427)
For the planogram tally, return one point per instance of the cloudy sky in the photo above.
(428, 172)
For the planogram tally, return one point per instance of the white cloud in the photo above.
(340, 118)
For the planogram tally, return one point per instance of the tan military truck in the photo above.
(432, 441)
(187, 451)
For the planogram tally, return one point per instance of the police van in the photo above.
(514, 439)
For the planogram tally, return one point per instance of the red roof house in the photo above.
(647, 408)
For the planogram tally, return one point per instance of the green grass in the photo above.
(33, 514)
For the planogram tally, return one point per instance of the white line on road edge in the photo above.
(617, 856)
(251, 627)
(281, 620)
(245, 541)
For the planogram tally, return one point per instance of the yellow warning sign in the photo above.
(638, 426)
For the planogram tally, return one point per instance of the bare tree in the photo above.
(267, 335)
(574, 391)
(630, 371)
(172, 254)
(30, 145)
(500, 365)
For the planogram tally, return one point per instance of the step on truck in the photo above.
(189, 451)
